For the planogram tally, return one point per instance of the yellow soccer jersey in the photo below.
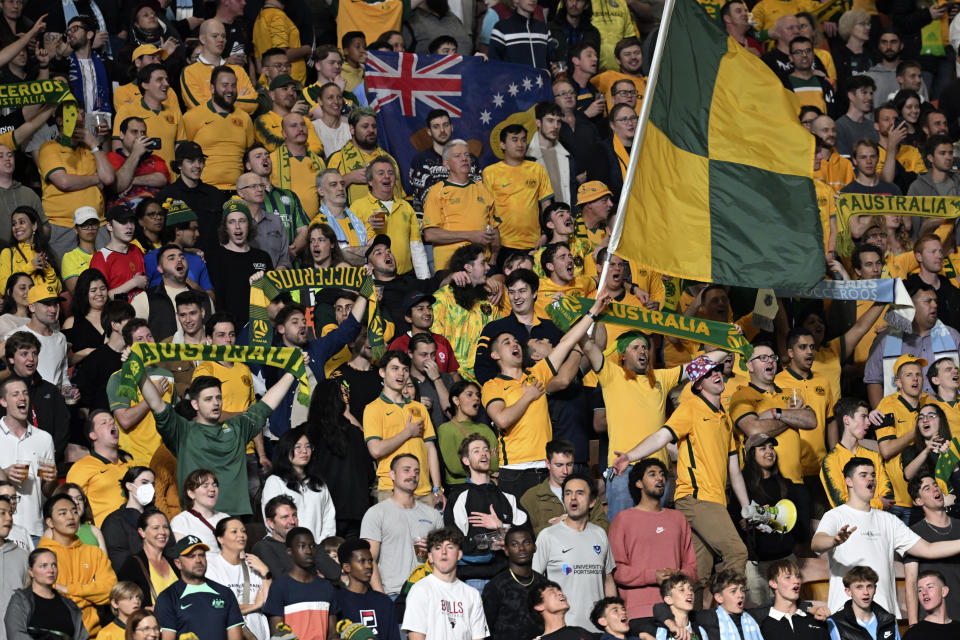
(268, 131)
(603, 82)
(908, 156)
(166, 125)
(704, 437)
(952, 410)
(518, 193)
(752, 400)
(127, 94)
(583, 286)
(100, 481)
(527, 439)
(59, 205)
(302, 178)
(836, 171)
(904, 420)
(456, 207)
(828, 212)
(817, 395)
(274, 29)
(383, 419)
(402, 227)
(766, 12)
(223, 137)
(831, 475)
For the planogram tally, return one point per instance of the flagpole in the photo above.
(644, 117)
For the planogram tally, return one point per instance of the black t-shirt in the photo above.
(365, 386)
(931, 631)
(51, 615)
(949, 567)
(569, 633)
(505, 606)
(230, 273)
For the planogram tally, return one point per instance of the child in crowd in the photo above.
(125, 598)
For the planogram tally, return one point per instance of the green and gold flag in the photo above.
(723, 191)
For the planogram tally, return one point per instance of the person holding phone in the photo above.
(140, 172)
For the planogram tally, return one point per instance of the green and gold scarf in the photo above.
(21, 94)
(862, 204)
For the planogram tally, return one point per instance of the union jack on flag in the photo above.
(409, 79)
(478, 95)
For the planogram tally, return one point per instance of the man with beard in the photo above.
(286, 97)
(223, 131)
(195, 83)
(557, 262)
(283, 202)
(649, 543)
(629, 55)
(156, 304)
(217, 615)
(291, 327)
(203, 199)
(271, 237)
(462, 310)
(835, 170)
(352, 160)
(459, 210)
(427, 167)
(884, 73)
(89, 78)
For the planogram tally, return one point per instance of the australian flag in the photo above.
(481, 98)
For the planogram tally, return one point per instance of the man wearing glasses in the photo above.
(271, 236)
(811, 89)
(623, 124)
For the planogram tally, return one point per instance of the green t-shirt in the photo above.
(450, 435)
(220, 448)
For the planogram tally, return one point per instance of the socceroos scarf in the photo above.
(275, 282)
(721, 335)
(143, 354)
(861, 204)
(41, 92)
(282, 161)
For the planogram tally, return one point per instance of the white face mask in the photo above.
(144, 494)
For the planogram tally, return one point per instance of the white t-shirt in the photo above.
(52, 359)
(186, 524)
(445, 611)
(34, 444)
(878, 536)
(315, 509)
(219, 570)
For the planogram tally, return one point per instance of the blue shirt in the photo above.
(207, 610)
(196, 269)
(372, 609)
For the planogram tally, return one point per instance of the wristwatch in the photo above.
(778, 413)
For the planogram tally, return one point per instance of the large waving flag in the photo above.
(481, 98)
(723, 190)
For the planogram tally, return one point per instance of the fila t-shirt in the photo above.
(445, 611)
(371, 609)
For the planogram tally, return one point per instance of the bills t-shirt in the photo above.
(445, 610)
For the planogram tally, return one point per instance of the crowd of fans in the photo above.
(491, 474)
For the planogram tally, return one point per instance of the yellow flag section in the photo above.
(723, 191)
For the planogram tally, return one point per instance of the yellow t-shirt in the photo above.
(100, 481)
(236, 386)
(274, 29)
(580, 286)
(818, 396)
(112, 631)
(402, 227)
(636, 405)
(383, 419)
(904, 421)
(20, 259)
(828, 362)
(370, 18)
(908, 156)
(517, 195)
(142, 441)
(268, 129)
(456, 207)
(60, 205)
(827, 207)
(127, 94)
(74, 263)
(836, 171)
(352, 157)
(166, 125)
(603, 82)
(752, 400)
(952, 411)
(831, 475)
(195, 87)
(303, 178)
(224, 138)
(862, 351)
(730, 386)
(704, 437)
(526, 440)
(766, 12)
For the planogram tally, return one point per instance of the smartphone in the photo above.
(897, 122)
(154, 143)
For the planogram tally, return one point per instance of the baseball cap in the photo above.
(85, 214)
(758, 439)
(350, 630)
(148, 49)
(699, 368)
(283, 80)
(381, 238)
(119, 214)
(43, 293)
(187, 544)
(414, 299)
(907, 359)
(188, 149)
(590, 191)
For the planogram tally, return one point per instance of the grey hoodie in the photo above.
(13, 197)
(924, 186)
(13, 574)
(20, 608)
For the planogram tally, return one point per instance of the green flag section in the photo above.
(723, 191)
(275, 282)
(862, 204)
(722, 335)
(21, 94)
(143, 354)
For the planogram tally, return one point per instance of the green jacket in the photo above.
(542, 505)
